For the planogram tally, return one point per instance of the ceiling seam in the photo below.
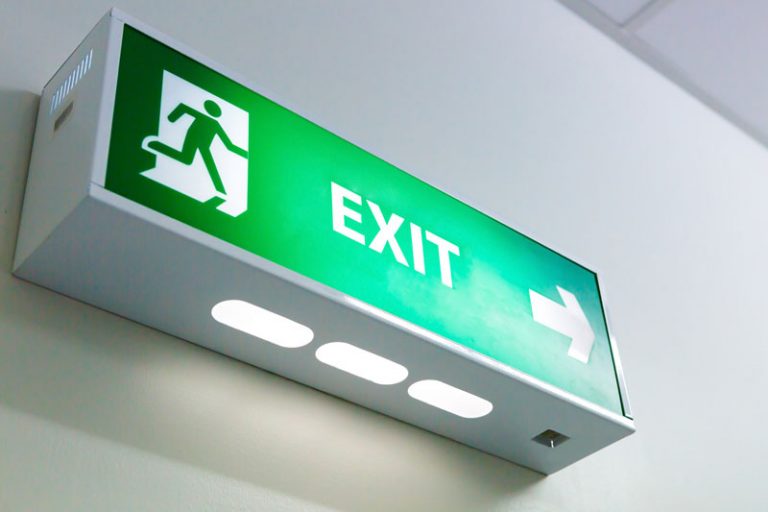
(625, 38)
(644, 14)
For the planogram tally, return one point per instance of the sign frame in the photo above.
(88, 173)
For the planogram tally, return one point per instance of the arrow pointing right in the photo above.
(568, 320)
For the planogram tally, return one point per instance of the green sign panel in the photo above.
(194, 145)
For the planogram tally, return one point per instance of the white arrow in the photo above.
(568, 320)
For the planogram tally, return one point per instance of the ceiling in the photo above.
(713, 48)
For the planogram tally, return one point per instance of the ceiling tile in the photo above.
(720, 47)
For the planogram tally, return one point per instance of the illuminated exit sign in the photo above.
(222, 217)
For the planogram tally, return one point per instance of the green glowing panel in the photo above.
(196, 146)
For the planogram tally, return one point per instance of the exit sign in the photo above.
(304, 198)
(197, 205)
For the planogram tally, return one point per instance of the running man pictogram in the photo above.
(201, 146)
(199, 138)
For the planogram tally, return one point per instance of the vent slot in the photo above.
(63, 116)
(69, 83)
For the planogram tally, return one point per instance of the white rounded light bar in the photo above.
(361, 363)
(262, 323)
(448, 398)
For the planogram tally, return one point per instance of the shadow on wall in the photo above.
(18, 110)
(76, 365)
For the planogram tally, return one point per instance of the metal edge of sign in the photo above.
(112, 55)
(622, 380)
(220, 246)
(618, 368)
(99, 172)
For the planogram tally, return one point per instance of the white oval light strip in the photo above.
(361, 363)
(262, 323)
(448, 398)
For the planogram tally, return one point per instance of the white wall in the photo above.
(519, 107)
